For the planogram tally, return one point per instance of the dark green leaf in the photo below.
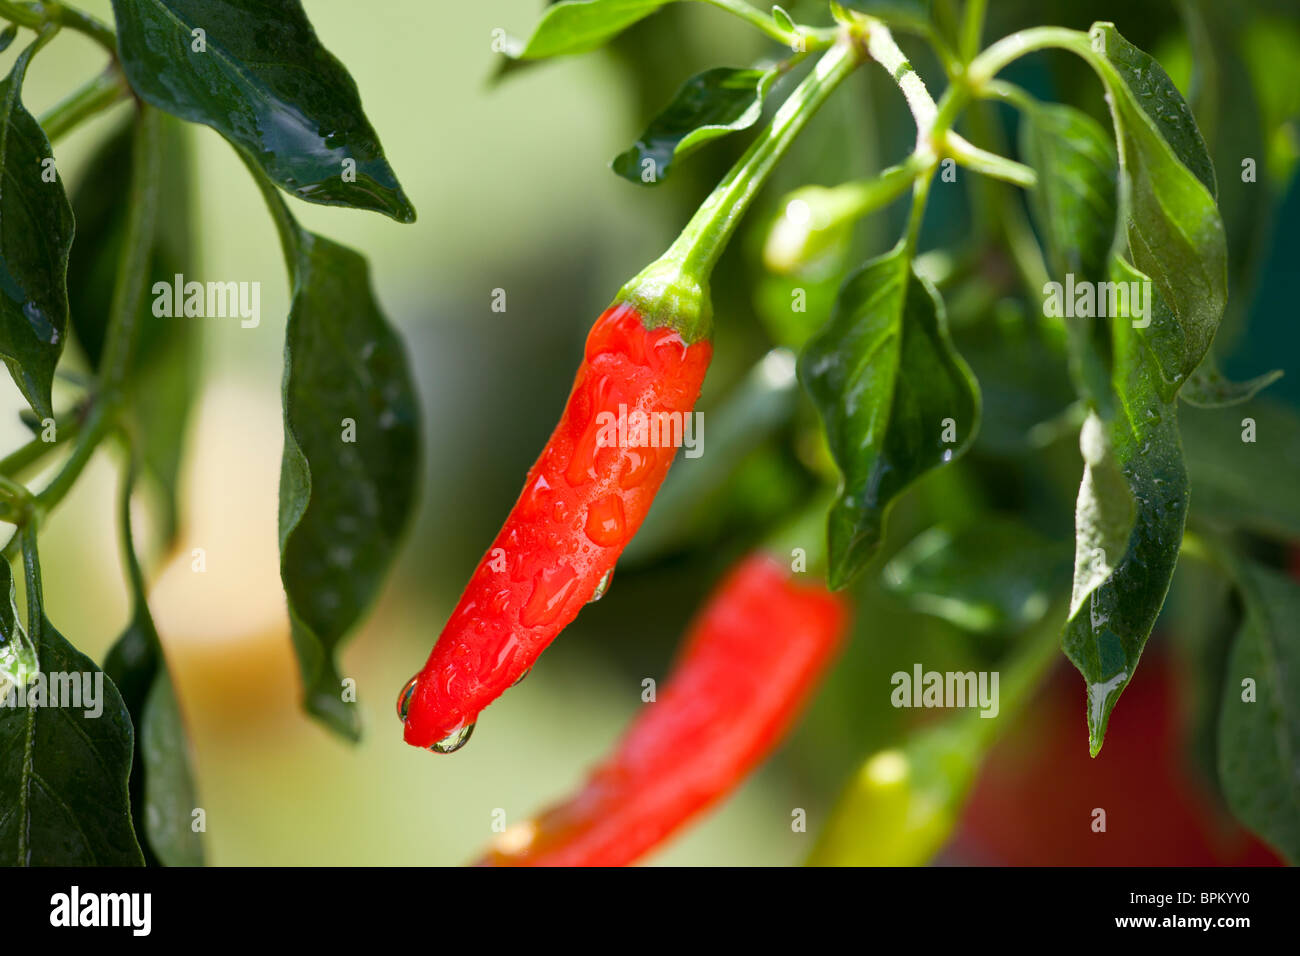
(1074, 204)
(579, 26)
(708, 105)
(1118, 596)
(894, 396)
(994, 574)
(63, 773)
(1259, 732)
(351, 453)
(7, 36)
(265, 83)
(1245, 467)
(167, 363)
(1210, 388)
(36, 228)
(1175, 235)
(163, 794)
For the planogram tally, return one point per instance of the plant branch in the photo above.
(94, 96)
(37, 16)
(801, 40)
(16, 462)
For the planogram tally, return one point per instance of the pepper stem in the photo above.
(673, 290)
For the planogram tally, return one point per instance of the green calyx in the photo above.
(673, 290)
(665, 294)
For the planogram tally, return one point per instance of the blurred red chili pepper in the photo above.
(749, 663)
(583, 501)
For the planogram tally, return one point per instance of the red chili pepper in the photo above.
(583, 501)
(749, 662)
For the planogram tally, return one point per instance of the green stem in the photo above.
(37, 16)
(1010, 48)
(883, 49)
(920, 196)
(972, 27)
(16, 462)
(805, 39)
(137, 248)
(673, 290)
(98, 424)
(96, 95)
(990, 164)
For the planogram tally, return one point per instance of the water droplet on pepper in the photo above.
(454, 740)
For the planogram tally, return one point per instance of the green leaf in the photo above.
(1210, 388)
(1259, 732)
(894, 396)
(1074, 204)
(708, 105)
(63, 773)
(351, 453)
(36, 228)
(579, 26)
(1241, 483)
(163, 793)
(7, 36)
(1121, 585)
(1104, 514)
(992, 575)
(166, 366)
(264, 82)
(1174, 231)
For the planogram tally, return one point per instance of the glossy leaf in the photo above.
(579, 26)
(258, 75)
(36, 228)
(1210, 388)
(1104, 514)
(163, 793)
(708, 105)
(351, 451)
(1245, 466)
(63, 773)
(992, 575)
(166, 366)
(1115, 608)
(890, 388)
(1259, 722)
(1074, 204)
(1174, 231)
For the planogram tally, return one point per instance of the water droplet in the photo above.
(454, 740)
(605, 522)
(404, 698)
(520, 679)
(550, 589)
(602, 587)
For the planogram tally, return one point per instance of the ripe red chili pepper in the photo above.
(749, 662)
(583, 501)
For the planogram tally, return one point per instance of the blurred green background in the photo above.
(513, 192)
